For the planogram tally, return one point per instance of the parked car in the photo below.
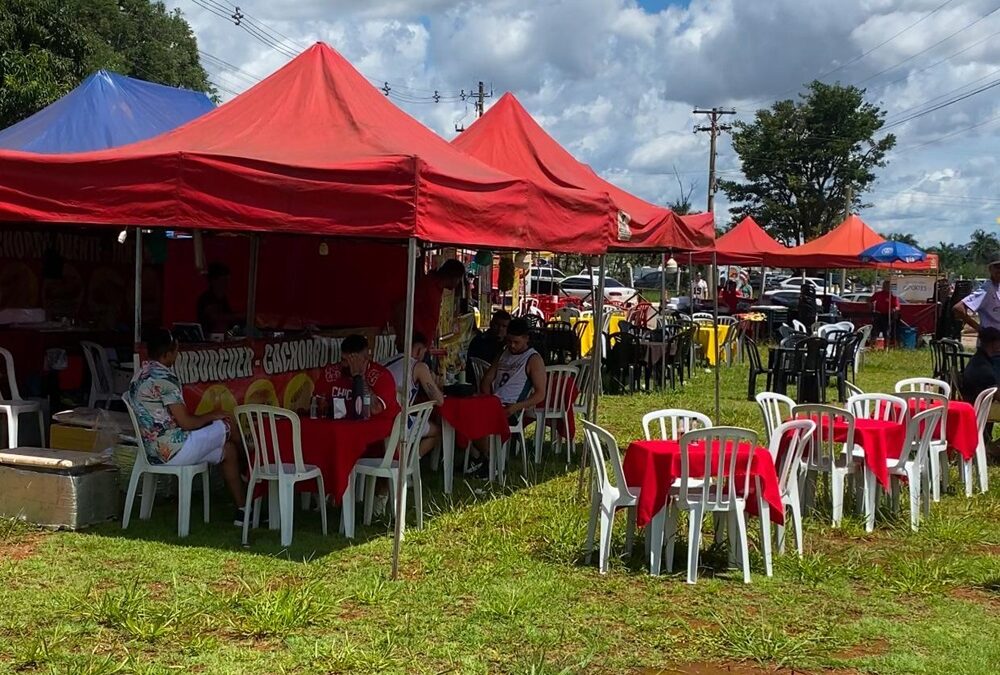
(583, 285)
(544, 280)
(786, 297)
(796, 283)
(857, 297)
(651, 280)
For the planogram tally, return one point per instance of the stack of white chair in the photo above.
(556, 409)
(16, 406)
(924, 391)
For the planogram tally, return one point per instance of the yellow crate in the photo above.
(65, 437)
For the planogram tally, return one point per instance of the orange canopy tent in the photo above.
(745, 244)
(509, 139)
(840, 248)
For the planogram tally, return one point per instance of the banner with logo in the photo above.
(279, 372)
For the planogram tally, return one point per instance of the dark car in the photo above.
(650, 281)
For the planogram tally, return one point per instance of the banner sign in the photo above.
(278, 372)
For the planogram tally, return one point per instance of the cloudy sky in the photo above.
(615, 81)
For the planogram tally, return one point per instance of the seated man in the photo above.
(517, 378)
(981, 372)
(357, 374)
(172, 435)
(423, 381)
(488, 344)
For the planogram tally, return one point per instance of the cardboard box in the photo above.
(58, 488)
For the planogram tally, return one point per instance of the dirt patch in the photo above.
(978, 596)
(859, 651)
(708, 669)
(24, 547)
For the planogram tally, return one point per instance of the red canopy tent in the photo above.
(314, 148)
(745, 244)
(840, 248)
(509, 139)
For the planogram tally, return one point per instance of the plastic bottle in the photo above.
(366, 405)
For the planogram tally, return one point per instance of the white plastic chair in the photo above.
(102, 379)
(714, 492)
(259, 424)
(584, 385)
(673, 423)
(776, 409)
(924, 384)
(185, 475)
(792, 437)
(14, 407)
(937, 461)
(728, 321)
(845, 325)
(838, 459)
(861, 349)
(607, 497)
(703, 316)
(557, 408)
(400, 447)
(983, 404)
(800, 327)
(912, 461)
(479, 368)
(885, 407)
(853, 389)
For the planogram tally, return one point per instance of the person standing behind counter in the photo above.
(214, 313)
(428, 292)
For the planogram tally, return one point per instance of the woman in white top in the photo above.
(422, 379)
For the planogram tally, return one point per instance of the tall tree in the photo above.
(48, 46)
(903, 237)
(802, 160)
(984, 247)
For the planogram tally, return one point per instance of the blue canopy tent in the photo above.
(106, 110)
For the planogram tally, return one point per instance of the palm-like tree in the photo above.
(984, 246)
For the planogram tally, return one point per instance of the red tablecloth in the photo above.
(334, 446)
(961, 429)
(653, 466)
(881, 440)
(475, 417)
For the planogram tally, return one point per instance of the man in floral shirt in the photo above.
(171, 434)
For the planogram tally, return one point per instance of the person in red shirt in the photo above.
(357, 373)
(885, 307)
(427, 295)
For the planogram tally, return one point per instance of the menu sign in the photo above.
(279, 372)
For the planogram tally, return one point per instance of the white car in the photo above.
(783, 297)
(583, 285)
(857, 297)
(544, 280)
(796, 282)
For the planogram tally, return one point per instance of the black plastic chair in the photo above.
(844, 351)
(626, 363)
(561, 342)
(810, 370)
(757, 368)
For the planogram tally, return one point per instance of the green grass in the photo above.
(496, 583)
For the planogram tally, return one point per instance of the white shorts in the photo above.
(203, 445)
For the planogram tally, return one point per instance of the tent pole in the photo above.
(251, 327)
(404, 456)
(715, 317)
(137, 316)
(690, 309)
(596, 357)
(663, 317)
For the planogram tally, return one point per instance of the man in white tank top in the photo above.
(517, 378)
(422, 380)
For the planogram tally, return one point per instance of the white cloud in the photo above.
(616, 84)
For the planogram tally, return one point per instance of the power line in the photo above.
(899, 113)
(945, 104)
(927, 49)
(943, 60)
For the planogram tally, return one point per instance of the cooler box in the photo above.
(907, 337)
(57, 488)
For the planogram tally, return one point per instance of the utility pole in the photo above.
(714, 128)
(478, 97)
